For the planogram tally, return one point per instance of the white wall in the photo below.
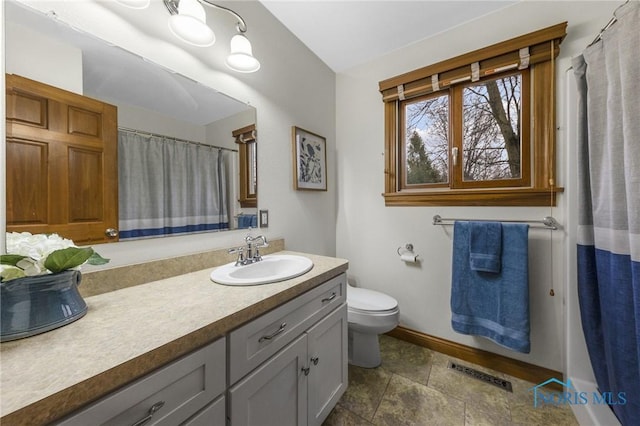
(219, 132)
(133, 117)
(63, 62)
(293, 87)
(368, 233)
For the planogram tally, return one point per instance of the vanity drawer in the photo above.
(181, 388)
(256, 341)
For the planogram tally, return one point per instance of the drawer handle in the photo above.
(154, 409)
(306, 370)
(315, 360)
(330, 298)
(274, 334)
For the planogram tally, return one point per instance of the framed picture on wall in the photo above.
(309, 160)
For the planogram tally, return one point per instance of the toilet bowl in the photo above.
(369, 313)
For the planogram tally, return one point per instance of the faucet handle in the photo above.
(240, 251)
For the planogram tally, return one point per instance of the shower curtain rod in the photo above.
(548, 222)
(149, 134)
(612, 21)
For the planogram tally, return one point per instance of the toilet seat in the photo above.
(365, 301)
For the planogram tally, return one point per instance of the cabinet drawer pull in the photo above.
(330, 298)
(154, 409)
(315, 360)
(305, 370)
(274, 334)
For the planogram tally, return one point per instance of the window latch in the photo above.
(454, 156)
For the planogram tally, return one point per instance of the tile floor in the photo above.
(413, 386)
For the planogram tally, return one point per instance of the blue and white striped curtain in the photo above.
(170, 187)
(608, 77)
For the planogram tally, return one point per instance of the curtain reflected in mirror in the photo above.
(169, 186)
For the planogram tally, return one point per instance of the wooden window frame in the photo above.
(543, 47)
(244, 137)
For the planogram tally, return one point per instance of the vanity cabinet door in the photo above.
(62, 169)
(327, 360)
(275, 394)
(212, 415)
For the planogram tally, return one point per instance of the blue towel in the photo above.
(485, 246)
(495, 306)
(248, 220)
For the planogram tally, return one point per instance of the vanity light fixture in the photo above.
(188, 23)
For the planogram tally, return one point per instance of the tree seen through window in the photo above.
(427, 144)
(490, 133)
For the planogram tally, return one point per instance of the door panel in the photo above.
(27, 182)
(62, 171)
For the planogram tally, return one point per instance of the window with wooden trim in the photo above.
(478, 129)
(247, 143)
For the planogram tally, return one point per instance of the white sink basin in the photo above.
(272, 268)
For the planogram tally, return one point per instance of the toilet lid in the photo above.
(369, 300)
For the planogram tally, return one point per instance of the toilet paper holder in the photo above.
(407, 255)
(408, 248)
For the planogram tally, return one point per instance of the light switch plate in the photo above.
(264, 218)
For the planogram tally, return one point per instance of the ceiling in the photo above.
(345, 34)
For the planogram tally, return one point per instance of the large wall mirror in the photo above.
(158, 112)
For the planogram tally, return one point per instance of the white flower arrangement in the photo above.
(39, 254)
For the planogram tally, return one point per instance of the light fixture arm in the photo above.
(172, 7)
(241, 25)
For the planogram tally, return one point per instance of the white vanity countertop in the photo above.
(130, 332)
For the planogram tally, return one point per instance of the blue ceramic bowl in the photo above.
(33, 305)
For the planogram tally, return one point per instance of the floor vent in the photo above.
(479, 375)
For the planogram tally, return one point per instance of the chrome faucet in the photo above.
(253, 247)
(251, 252)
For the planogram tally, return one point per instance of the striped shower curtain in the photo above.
(167, 186)
(608, 77)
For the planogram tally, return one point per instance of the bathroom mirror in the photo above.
(150, 98)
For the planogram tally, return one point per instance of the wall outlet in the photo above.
(264, 218)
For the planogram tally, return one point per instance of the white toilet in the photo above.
(370, 313)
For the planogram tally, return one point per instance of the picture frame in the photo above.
(309, 160)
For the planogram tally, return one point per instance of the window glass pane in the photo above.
(427, 141)
(491, 129)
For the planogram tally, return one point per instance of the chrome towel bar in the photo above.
(548, 222)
